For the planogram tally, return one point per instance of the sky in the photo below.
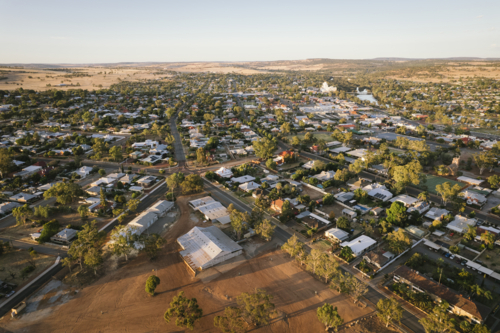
(105, 31)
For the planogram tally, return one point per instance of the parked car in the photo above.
(452, 257)
(447, 255)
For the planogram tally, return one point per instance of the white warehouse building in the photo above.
(206, 247)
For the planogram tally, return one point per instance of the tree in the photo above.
(193, 183)
(286, 211)
(151, 283)
(292, 246)
(343, 223)
(64, 192)
(186, 311)
(270, 164)
(494, 181)
(397, 213)
(93, 258)
(239, 222)
(88, 238)
(356, 288)
(175, 180)
(116, 153)
(389, 310)
(329, 316)
(328, 199)
(122, 241)
(447, 192)
(83, 211)
(22, 213)
(265, 230)
(483, 161)
(488, 238)
(346, 253)
(264, 148)
(231, 322)
(201, 157)
(286, 128)
(438, 321)
(408, 174)
(398, 241)
(314, 260)
(295, 141)
(133, 204)
(152, 244)
(6, 163)
(347, 138)
(256, 306)
(103, 198)
(328, 266)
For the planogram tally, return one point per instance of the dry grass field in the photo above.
(87, 77)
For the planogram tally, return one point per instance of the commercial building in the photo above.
(206, 247)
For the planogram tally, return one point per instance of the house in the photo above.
(436, 213)
(27, 172)
(377, 211)
(127, 179)
(355, 184)
(459, 305)
(344, 197)
(143, 222)
(224, 172)
(146, 181)
(405, 200)
(206, 247)
(315, 221)
(380, 193)
(83, 171)
(324, 176)
(420, 207)
(336, 234)
(94, 190)
(280, 159)
(473, 198)
(349, 213)
(277, 205)
(309, 165)
(250, 186)
(64, 236)
(460, 224)
(243, 179)
(22, 197)
(378, 259)
(360, 245)
(7, 207)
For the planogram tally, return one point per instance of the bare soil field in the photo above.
(117, 302)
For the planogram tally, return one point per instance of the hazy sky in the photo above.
(45, 31)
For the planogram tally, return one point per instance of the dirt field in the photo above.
(118, 303)
(16, 260)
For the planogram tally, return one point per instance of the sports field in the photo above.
(432, 181)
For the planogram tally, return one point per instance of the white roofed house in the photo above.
(473, 198)
(250, 186)
(337, 235)
(28, 171)
(224, 172)
(360, 245)
(405, 200)
(309, 165)
(460, 224)
(436, 213)
(324, 175)
(206, 247)
(83, 171)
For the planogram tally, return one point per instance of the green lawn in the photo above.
(432, 181)
(324, 136)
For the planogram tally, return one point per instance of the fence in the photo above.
(314, 187)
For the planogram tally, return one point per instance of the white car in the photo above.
(452, 257)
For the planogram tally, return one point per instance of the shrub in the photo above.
(26, 270)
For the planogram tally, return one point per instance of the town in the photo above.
(263, 200)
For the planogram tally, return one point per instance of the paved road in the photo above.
(51, 251)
